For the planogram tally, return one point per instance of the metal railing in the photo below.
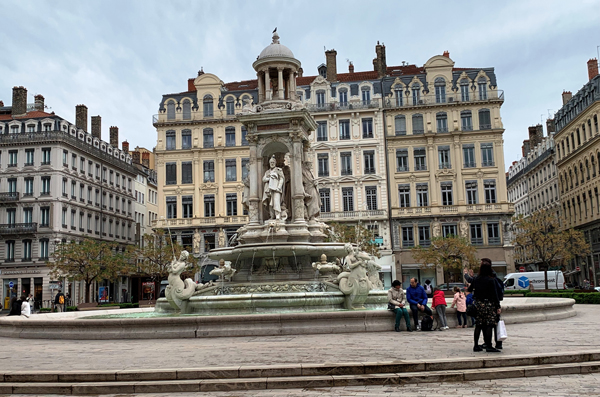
(449, 98)
(9, 197)
(18, 228)
(351, 105)
(353, 214)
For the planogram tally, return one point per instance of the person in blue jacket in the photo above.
(417, 298)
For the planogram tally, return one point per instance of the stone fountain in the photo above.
(273, 260)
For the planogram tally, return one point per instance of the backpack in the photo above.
(428, 289)
(61, 300)
(427, 323)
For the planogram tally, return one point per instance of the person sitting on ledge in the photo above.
(417, 298)
(397, 299)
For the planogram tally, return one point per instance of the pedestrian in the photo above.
(417, 299)
(59, 302)
(15, 307)
(487, 306)
(469, 297)
(460, 301)
(428, 288)
(31, 302)
(397, 300)
(439, 304)
(25, 308)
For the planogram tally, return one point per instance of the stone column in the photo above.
(253, 199)
(280, 83)
(296, 182)
(268, 93)
(433, 187)
(261, 87)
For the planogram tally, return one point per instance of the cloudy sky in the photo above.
(118, 57)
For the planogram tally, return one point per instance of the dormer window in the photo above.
(482, 83)
(416, 95)
(31, 128)
(464, 90)
(187, 109)
(440, 90)
(208, 106)
(322, 71)
(343, 96)
(171, 110)
(366, 95)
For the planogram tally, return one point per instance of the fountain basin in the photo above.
(260, 250)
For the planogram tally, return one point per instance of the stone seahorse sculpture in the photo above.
(178, 292)
(355, 284)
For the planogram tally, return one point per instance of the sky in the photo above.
(118, 57)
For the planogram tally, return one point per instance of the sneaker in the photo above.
(477, 348)
(418, 327)
(492, 350)
(446, 327)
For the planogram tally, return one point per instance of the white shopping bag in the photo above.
(501, 334)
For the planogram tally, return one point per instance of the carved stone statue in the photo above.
(247, 106)
(464, 228)
(355, 283)
(436, 228)
(312, 201)
(324, 267)
(197, 239)
(222, 238)
(224, 270)
(273, 189)
(373, 272)
(246, 191)
(178, 292)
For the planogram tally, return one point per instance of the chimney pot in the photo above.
(19, 102)
(114, 136)
(126, 147)
(39, 103)
(97, 127)
(350, 68)
(136, 157)
(566, 96)
(81, 114)
(446, 54)
(592, 68)
(146, 159)
(379, 63)
(331, 65)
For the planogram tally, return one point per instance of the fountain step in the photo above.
(297, 375)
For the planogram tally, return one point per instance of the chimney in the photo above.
(39, 103)
(536, 133)
(136, 157)
(114, 136)
(331, 65)
(592, 68)
(1, 104)
(19, 101)
(446, 54)
(191, 86)
(126, 147)
(300, 72)
(566, 96)
(146, 159)
(379, 63)
(526, 147)
(350, 68)
(97, 127)
(81, 117)
(550, 127)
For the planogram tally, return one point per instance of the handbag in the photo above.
(501, 334)
(472, 310)
(391, 306)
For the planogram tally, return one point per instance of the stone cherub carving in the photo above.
(246, 191)
(324, 267)
(197, 239)
(355, 283)
(273, 189)
(224, 270)
(373, 272)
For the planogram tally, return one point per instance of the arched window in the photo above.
(171, 110)
(416, 93)
(441, 119)
(399, 95)
(343, 92)
(417, 124)
(366, 95)
(482, 83)
(464, 90)
(485, 121)
(230, 107)
(440, 90)
(208, 106)
(400, 125)
(187, 109)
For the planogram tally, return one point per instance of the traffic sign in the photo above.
(11, 284)
(522, 269)
(578, 269)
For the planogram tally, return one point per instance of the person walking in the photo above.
(428, 288)
(397, 299)
(439, 304)
(417, 299)
(460, 301)
(487, 305)
(31, 301)
(59, 302)
(25, 308)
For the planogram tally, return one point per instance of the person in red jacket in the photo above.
(439, 304)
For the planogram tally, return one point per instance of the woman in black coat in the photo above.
(487, 304)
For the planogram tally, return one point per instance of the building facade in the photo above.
(58, 183)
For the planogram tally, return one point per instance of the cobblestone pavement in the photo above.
(577, 333)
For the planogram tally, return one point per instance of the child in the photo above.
(439, 304)
(461, 307)
(470, 301)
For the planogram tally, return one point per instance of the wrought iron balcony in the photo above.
(333, 106)
(448, 98)
(18, 228)
(9, 197)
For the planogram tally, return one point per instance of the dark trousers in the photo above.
(402, 312)
(415, 312)
(463, 316)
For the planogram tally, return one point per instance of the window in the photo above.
(171, 207)
(230, 136)
(471, 188)
(171, 110)
(11, 216)
(366, 95)
(44, 248)
(209, 206)
(420, 159)
(402, 160)
(417, 124)
(170, 135)
(346, 163)
(442, 122)
(323, 164)
(208, 106)
(321, 131)
(466, 120)
(348, 198)
(416, 96)
(209, 170)
(320, 98)
(476, 234)
(10, 251)
(400, 125)
(171, 173)
(12, 185)
(186, 172)
(325, 200)
(482, 84)
(448, 230)
(209, 141)
(485, 122)
(469, 156)
(230, 107)
(186, 139)
(45, 185)
(28, 187)
(487, 154)
(231, 204)
(245, 168)
(12, 158)
(82, 165)
(81, 192)
(371, 195)
(424, 236)
(493, 233)
(344, 129)
(440, 90)
(444, 157)
(404, 195)
(45, 216)
(408, 239)
(446, 193)
(187, 206)
(244, 136)
(369, 156)
(399, 96)
(45, 156)
(489, 186)
(29, 156)
(230, 170)
(422, 194)
(186, 108)
(367, 127)
(343, 97)
(464, 90)
(26, 250)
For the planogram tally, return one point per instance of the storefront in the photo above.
(419, 272)
(15, 283)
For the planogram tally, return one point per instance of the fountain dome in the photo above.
(276, 49)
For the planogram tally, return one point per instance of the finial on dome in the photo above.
(201, 71)
(275, 37)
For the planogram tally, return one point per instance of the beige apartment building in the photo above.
(446, 163)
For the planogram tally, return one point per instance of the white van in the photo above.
(512, 281)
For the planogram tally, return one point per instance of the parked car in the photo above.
(450, 286)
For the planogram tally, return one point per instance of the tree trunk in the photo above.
(87, 291)
(546, 278)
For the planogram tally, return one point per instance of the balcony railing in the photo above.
(353, 214)
(453, 209)
(9, 197)
(449, 98)
(221, 220)
(333, 106)
(18, 228)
